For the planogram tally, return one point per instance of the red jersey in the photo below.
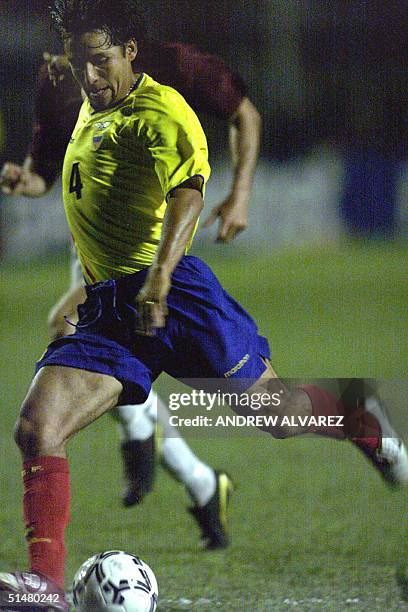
(202, 79)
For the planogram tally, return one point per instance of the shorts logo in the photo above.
(237, 367)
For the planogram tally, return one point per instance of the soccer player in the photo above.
(210, 87)
(133, 179)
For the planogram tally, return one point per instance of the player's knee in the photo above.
(23, 434)
(36, 438)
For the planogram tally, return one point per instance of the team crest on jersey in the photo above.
(97, 139)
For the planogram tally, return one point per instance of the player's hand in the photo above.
(57, 66)
(13, 179)
(19, 180)
(233, 219)
(151, 302)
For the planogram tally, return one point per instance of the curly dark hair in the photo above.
(120, 20)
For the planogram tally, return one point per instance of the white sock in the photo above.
(134, 421)
(198, 478)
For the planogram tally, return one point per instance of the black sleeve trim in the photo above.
(189, 184)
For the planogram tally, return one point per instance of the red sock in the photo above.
(357, 424)
(325, 405)
(363, 429)
(46, 514)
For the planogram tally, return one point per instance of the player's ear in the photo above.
(131, 49)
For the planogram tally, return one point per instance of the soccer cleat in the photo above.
(391, 458)
(30, 592)
(212, 518)
(139, 467)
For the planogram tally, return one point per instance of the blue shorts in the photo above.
(208, 335)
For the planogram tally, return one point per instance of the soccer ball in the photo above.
(115, 581)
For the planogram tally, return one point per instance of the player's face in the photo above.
(104, 71)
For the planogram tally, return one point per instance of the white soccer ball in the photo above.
(115, 581)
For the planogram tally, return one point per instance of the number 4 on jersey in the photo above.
(75, 183)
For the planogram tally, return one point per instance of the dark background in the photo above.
(317, 70)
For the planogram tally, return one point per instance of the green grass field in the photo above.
(312, 526)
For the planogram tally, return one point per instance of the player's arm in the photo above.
(48, 142)
(244, 139)
(43, 163)
(211, 87)
(183, 210)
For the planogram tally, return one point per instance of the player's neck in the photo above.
(137, 77)
(134, 83)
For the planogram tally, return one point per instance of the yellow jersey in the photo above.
(120, 165)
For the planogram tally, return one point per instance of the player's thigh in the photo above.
(62, 400)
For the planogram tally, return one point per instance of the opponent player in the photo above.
(133, 180)
(210, 87)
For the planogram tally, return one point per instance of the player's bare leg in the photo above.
(356, 415)
(136, 429)
(60, 402)
(137, 426)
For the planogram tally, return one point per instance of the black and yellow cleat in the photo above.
(212, 518)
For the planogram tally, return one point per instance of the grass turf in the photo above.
(312, 527)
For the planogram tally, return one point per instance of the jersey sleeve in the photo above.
(176, 144)
(208, 84)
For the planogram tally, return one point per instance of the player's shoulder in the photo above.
(153, 103)
(152, 94)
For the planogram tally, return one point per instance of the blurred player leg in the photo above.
(136, 431)
(209, 489)
(357, 416)
(178, 458)
(389, 455)
(137, 425)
